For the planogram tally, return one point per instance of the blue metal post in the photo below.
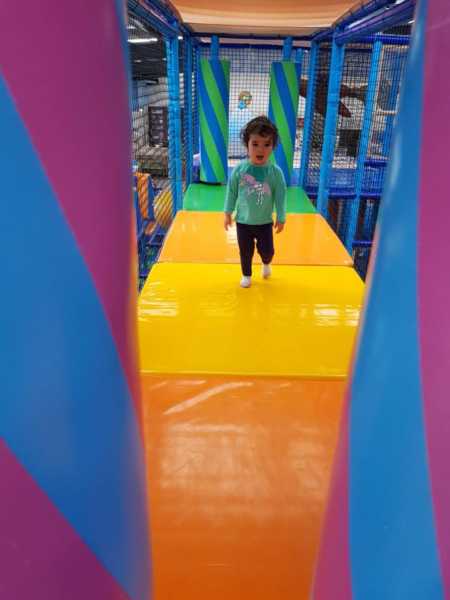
(188, 113)
(361, 12)
(380, 21)
(353, 205)
(287, 48)
(329, 137)
(392, 99)
(309, 113)
(196, 100)
(175, 163)
(215, 47)
(299, 61)
(156, 21)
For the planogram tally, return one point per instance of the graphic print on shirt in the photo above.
(252, 186)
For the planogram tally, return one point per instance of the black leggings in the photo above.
(246, 235)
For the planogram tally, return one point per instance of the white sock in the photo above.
(266, 271)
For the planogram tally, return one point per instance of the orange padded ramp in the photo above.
(238, 472)
(200, 237)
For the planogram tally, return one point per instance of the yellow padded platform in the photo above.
(200, 237)
(196, 319)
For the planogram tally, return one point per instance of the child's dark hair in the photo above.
(260, 126)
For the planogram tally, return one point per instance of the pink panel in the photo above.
(75, 106)
(434, 256)
(41, 556)
(332, 579)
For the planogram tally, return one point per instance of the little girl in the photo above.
(256, 186)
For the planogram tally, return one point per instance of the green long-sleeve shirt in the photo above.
(255, 191)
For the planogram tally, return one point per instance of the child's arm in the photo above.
(231, 198)
(279, 192)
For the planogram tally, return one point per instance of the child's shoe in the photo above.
(266, 271)
(246, 282)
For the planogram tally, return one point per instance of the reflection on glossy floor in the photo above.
(238, 471)
(200, 237)
(207, 197)
(195, 318)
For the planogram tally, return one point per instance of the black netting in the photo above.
(249, 90)
(393, 62)
(390, 76)
(150, 139)
(353, 92)
(320, 93)
(301, 110)
(341, 185)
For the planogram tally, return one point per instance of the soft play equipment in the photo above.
(73, 516)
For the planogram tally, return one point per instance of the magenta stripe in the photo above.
(332, 580)
(73, 99)
(41, 556)
(434, 260)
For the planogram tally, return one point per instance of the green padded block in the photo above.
(200, 196)
(298, 201)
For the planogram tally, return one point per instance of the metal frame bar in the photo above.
(361, 12)
(215, 47)
(397, 13)
(391, 40)
(248, 45)
(309, 113)
(329, 137)
(353, 206)
(324, 35)
(287, 49)
(188, 109)
(152, 18)
(175, 164)
(196, 133)
(163, 9)
(251, 36)
(392, 102)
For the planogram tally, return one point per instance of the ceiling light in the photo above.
(180, 37)
(142, 40)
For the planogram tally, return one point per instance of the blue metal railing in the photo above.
(188, 112)
(309, 113)
(329, 137)
(287, 48)
(175, 159)
(352, 207)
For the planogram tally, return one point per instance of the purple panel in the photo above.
(41, 556)
(332, 579)
(434, 258)
(75, 105)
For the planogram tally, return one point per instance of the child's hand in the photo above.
(227, 221)
(279, 227)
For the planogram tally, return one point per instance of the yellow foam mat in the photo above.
(194, 318)
(200, 237)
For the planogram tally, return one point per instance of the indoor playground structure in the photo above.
(197, 440)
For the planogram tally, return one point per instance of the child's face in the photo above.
(259, 149)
